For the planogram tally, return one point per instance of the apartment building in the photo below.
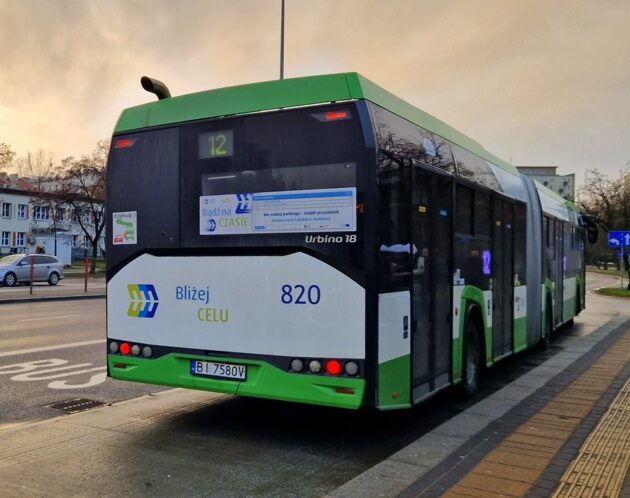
(30, 223)
(15, 220)
(563, 185)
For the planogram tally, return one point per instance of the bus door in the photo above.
(559, 280)
(503, 285)
(431, 234)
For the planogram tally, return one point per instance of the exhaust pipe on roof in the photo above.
(156, 87)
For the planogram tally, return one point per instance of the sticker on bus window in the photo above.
(125, 228)
(294, 211)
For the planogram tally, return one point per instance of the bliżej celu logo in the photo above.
(144, 301)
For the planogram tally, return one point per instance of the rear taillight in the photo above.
(297, 365)
(123, 143)
(351, 368)
(333, 367)
(314, 366)
(127, 349)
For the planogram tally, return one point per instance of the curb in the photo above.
(51, 298)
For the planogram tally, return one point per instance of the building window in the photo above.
(6, 210)
(41, 213)
(87, 218)
(21, 237)
(86, 243)
(22, 211)
(60, 215)
(5, 238)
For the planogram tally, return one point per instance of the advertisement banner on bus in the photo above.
(295, 211)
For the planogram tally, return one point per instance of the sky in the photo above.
(536, 82)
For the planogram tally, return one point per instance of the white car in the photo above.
(16, 268)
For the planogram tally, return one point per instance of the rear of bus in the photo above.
(236, 254)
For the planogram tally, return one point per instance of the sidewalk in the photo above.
(562, 430)
(68, 288)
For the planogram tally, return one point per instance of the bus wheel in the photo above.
(470, 382)
(545, 338)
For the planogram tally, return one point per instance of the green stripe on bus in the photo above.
(475, 295)
(263, 380)
(520, 334)
(394, 386)
(568, 309)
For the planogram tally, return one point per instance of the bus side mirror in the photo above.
(592, 234)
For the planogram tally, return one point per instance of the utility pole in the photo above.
(282, 43)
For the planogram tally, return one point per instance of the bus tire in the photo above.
(472, 360)
(571, 322)
(545, 337)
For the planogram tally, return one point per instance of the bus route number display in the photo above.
(216, 144)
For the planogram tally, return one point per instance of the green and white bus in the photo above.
(319, 240)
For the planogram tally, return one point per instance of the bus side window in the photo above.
(394, 248)
(481, 216)
(464, 210)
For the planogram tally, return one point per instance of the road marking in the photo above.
(51, 348)
(99, 378)
(39, 374)
(47, 318)
(37, 370)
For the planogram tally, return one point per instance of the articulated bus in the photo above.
(319, 240)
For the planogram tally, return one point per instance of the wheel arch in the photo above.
(474, 315)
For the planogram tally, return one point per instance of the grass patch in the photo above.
(80, 265)
(614, 291)
(612, 272)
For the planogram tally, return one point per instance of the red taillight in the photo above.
(125, 348)
(123, 143)
(335, 115)
(333, 367)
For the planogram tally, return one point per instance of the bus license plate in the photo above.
(221, 370)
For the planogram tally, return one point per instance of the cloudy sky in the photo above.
(535, 81)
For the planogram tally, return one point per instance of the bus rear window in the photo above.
(303, 163)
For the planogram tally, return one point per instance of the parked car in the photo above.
(16, 268)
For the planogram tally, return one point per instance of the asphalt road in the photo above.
(230, 446)
(52, 352)
(42, 289)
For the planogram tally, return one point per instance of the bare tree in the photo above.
(81, 184)
(38, 167)
(6, 156)
(607, 201)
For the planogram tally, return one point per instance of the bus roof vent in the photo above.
(155, 86)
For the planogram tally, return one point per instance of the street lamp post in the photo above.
(282, 42)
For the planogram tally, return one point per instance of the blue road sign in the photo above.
(619, 239)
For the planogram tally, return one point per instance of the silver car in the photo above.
(16, 268)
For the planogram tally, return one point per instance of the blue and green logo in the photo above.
(144, 301)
